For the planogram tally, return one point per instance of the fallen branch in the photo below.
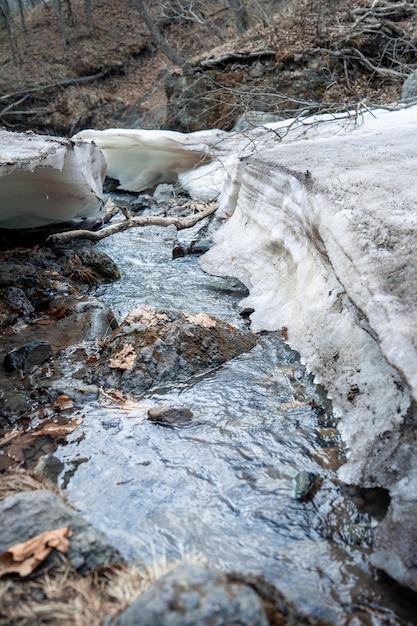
(236, 56)
(133, 222)
(349, 53)
(60, 83)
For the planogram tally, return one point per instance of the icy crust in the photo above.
(323, 232)
(46, 180)
(140, 159)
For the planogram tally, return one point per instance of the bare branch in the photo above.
(133, 222)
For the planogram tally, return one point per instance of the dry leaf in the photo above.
(51, 428)
(124, 359)
(63, 402)
(201, 319)
(24, 558)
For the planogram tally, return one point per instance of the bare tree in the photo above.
(70, 14)
(156, 34)
(241, 15)
(58, 6)
(22, 15)
(89, 16)
(5, 14)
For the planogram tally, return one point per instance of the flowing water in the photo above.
(225, 486)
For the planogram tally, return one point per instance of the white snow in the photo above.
(140, 159)
(46, 180)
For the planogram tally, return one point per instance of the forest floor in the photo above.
(116, 76)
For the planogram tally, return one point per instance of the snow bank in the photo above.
(323, 233)
(46, 180)
(140, 159)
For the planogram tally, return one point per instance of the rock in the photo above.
(47, 180)
(395, 550)
(306, 486)
(183, 248)
(170, 416)
(154, 347)
(163, 193)
(409, 90)
(26, 514)
(18, 301)
(27, 356)
(191, 595)
(189, 92)
(48, 467)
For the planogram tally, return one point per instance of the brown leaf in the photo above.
(24, 558)
(201, 319)
(124, 359)
(63, 402)
(51, 428)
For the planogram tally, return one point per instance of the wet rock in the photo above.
(95, 316)
(396, 542)
(163, 193)
(306, 486)
(48, 467)
(153, 347)
(26, 514)
(18, 300)
(183, 248)
(191, 595)
(27, 356)
(170, 416)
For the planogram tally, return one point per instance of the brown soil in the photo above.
(118, 75)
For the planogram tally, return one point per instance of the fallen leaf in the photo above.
(63, 402)
(24, 558)
(8, 436)
(202, 319)
(51, 428)
(124, 359)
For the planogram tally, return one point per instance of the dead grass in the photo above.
(64, 597)
(19, 480)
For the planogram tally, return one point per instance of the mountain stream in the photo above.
(251, 484)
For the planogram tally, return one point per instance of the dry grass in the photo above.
(64, 597)
(20, 480)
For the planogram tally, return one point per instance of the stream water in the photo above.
(225, 486)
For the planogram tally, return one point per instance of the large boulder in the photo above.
(26, 514)
(191, 595)
(154, 347)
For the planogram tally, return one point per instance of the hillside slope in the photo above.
(326, 51)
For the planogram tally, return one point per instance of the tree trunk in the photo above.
(157, 36)
(61, 20)
(70, 14)
(89, 16)
(22, 16)
(240, 14)
(5, 14)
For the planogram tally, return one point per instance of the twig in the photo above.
(354, 52)
(133, 222)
